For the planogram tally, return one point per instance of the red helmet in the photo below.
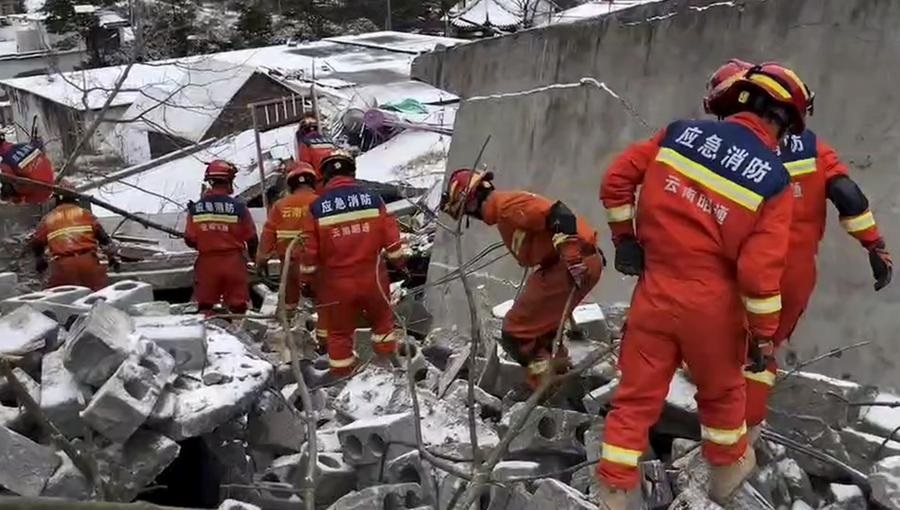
(772, 82)
(459, 197)
(220, 170)
(339, 162)
(302, 172)
(65, 191)
(720, 80)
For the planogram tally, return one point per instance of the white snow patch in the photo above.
(595, 9)
(367, 394)
(876, 441)
(588, 313)
(883, 417)
(845, 493)
(682, 392)
(790, 470)
(416, 157)
(24, 330)
(502, 309)
(824, 378)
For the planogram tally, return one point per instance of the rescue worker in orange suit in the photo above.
(817, 175)
(220, 228)
(313, 146)
(27, 161)
(348, 237)
(285, 222)
(708, 238)
(539, 233)
(72, 235)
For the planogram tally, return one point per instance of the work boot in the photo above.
(609, 498)
(318, 378)
(725, 480)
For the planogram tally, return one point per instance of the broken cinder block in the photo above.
(67, 482)
(121, 295)
(62, 396)
(885, 482)
(334, 477)
(26, 466)
(590, 320)
(371, 440)
(8, 282)
(98, 344)
(554, 494)
(135, 464)
(274, 426)
(548, 428)
(66, 294)
(26, 330)
(125, 401)
(182, 336)
(381, 497)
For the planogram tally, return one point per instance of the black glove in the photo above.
(629, 256)
(40, 264)
(307, 291)
(760, 352)
(882, 265)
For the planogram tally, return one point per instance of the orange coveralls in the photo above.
(285, 222)
(312, 148)
(220, 228)
(25, 160)
(521, 218)
(71, 235)
(713, 219)
(345, 233)
(812, 163)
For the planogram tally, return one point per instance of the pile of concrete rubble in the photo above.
(127, 380)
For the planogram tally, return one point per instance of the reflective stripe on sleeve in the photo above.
(538, 367)
(620, 213)
(308, 269)
(801, 167)
(858, 223)
(761, 306)
(81, 229)
(619, 455)
(342, 363)
(724, 437)
(766, 377)
(287, 234)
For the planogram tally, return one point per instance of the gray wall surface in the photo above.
(558, 142)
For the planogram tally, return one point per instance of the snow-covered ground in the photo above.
(595, 8)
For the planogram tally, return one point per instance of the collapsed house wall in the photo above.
(559, 141)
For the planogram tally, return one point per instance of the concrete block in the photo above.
(591, 322)
(768, 481)
(455, 365)
(26, 466)
(810, 394)
(600, 398)
(797, 481)
(273, 424)
(656, 487)
(490, 405)
(8, 283)
(679, 416)
(554, 494)
(334, 477)
(67, 295)
(67, 482)
(501, 375)
(136, 463)
(125, 401)
(62, 396)
(847, 497)
(13, 417)
(121, 294)
(681, 447)
(691, 484)
(863, 449)
(430, 378)
(371, 440)
(548, 428)
(381, 497)
(503, 495)
(417, 363)
(885, 482)
(198, 408)
(151, 309)
(182, 336)
(98, 344)
(410, 468)
(233, 504)
(25, 330)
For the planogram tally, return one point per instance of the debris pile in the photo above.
(127, 383)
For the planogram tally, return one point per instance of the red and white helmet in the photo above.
(771, 82)
(302, 171)
(720, 80)
(220, 170)
(460, 197)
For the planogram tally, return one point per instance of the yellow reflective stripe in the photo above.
(349, 216)
(215, 218)
(308, 269)
(81, 229)
(620, 213)
(762, 306)
(402, 251)
(559, 239)
(619, 455)
(766, 377)
(322, 332)
(538, 367)
(28, 159)
(724, 437)
(858, 223)
(771, 84)
(287, 234)
(342, 363)
(517, 239)
(801, 167)
(699, 173)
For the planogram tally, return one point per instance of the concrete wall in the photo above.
(558, 142)
(13, 66)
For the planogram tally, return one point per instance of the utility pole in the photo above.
(387, 21)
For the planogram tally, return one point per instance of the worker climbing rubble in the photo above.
(285, 222)
(312, 145)
(817, 174)
(71, 235)
(542, 234)
(708, 238)
(28, 161)
(345, 234)
(220, 228)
